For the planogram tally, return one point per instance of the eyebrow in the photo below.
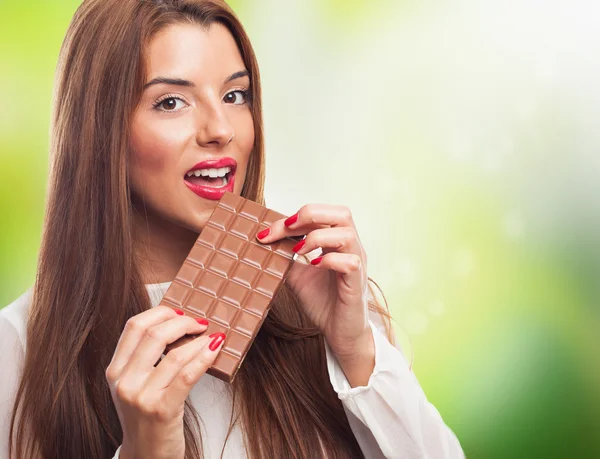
(190, 84)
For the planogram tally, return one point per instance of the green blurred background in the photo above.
(463, 136)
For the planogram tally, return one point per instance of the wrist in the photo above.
(131, 451)
(357, 360)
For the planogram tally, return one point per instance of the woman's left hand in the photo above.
(333, 288)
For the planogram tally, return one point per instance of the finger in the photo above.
(133, 333)
(349, 265)
(174, 345)
(309, 217)
(180, 342)
(155, 340)
(174, 361)
(339, 239)
(189, 375)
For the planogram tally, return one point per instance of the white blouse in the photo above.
(390, 416)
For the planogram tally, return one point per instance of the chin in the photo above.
(196, 225)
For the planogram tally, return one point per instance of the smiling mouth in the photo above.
(210, 177)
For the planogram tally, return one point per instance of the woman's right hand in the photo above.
(150, 399)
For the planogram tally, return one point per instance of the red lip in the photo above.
(208, 192)
(215, 163)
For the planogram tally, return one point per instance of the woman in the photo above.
(148, 92)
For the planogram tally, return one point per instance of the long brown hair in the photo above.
(88, 280)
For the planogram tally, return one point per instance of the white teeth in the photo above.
(221, 172)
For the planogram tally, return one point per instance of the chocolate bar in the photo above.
(230, 279)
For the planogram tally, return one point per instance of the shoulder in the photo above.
(13, 317)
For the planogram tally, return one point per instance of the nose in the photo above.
(214, 128)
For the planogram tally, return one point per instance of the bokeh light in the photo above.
(462, 134)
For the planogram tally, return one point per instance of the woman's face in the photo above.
(185, 131)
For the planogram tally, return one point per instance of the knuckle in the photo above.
(154, 334)
(351, 235)
(148, 404)
(110, 374)
(305, 209)
(124, 392)
(347, 213)
(355, 263)
(143, 402)
(132, 325)
(187, 377)
(169, 311)
(307, 213)
(176, 357)
(312, 238)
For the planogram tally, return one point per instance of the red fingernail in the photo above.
(316, 261)
(178, 311)
(291, 220)
(299, 245)
(263, 233)
(217, 339)
(202, 321)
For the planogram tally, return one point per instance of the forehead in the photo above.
(193, 52)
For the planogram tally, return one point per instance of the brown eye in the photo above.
(168, 104)
(236, 100)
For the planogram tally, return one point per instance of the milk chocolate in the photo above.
(230, 279)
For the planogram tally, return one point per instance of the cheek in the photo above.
(248, 139)
(245, 134)
(154, 149)
(155, 153)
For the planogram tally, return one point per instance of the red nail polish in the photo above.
(299, 245)
(217, 339)
(178, 311)
(316, 261)
(263, 233)
(202, 321)
(291, 220)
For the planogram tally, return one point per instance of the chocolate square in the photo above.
(230, 278)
